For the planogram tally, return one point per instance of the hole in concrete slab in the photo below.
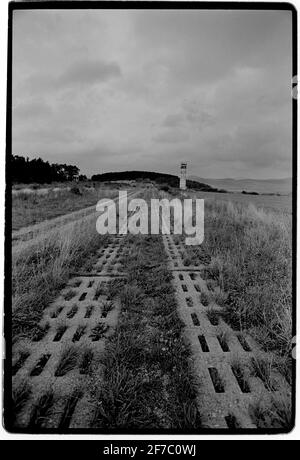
(82, 297)
(86, 362)
(244, 343)
(38, 368)
(79, 333)
(41, 410)
(239, 375)
(106, 308)
(232, 422)
(204, 299)
(203, 343)
(89, 311)
(189, 301)
(180, 276)
(197, 287)
(216, 380)
(195, 319)
(223, 343)
(98, 331)
(184, 288)
(40, 332)
(20, 362)
(99, 290)
(72, 312)
(69, 295)
(56, 312)
(213, 317)
(91, 284)
(60, 332)
(211, 284)
(192, 276)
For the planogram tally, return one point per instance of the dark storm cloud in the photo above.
(254, 146)
(129, 89)
(206, 45)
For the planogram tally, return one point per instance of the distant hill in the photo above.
(281, 186)
(159, 178)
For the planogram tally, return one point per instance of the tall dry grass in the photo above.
(251, 251)
(40, 271)
(29, 209)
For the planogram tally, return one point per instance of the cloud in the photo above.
(35, 108)
(204, 46)
(134, 89)
(89, 72)
(171, 136)
(255, 146)
(173, 120)
(36, 83)
(81, 73)
(44, 136)
(191, 114)
(195, 114)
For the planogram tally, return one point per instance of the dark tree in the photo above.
(37, 170)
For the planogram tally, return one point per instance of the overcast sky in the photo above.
(122, 90)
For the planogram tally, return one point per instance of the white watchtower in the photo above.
(182, 177)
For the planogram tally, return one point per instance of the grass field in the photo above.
(42, 270)
(30, 209)
(148, 382)
(278, 204)
(251, 255)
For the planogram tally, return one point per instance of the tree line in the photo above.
(159, 178)
(24, 170)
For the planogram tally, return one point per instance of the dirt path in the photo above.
(26, 237)
(56, 365)
(29, 232)
(222, 357)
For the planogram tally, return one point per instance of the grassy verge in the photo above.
(29, 209)
(42, 270)
(275, 415)
(148, 384)
(250, 253)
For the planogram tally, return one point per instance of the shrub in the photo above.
(76, 190)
